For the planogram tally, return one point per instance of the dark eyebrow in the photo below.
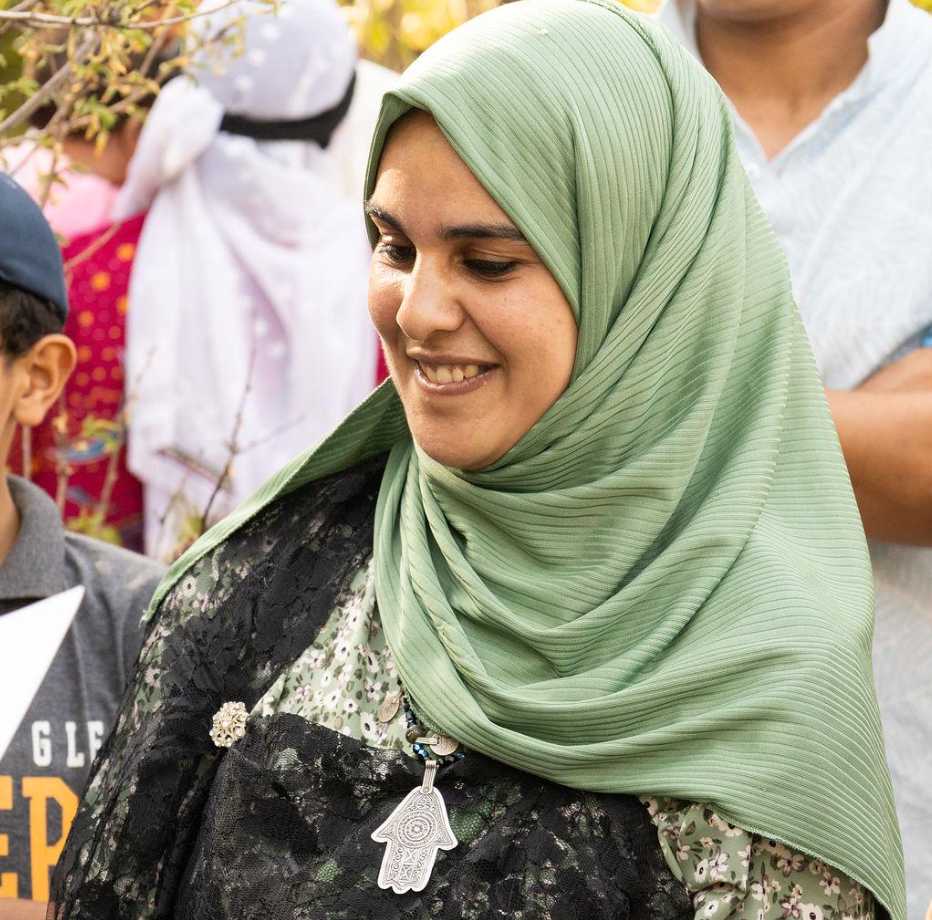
(373, 210)
(475, 231)
(484, 231)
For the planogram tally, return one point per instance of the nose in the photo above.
(429, 303)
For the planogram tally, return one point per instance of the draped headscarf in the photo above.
(664, 586)
(251, 269)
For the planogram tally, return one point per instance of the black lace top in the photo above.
(279, 825)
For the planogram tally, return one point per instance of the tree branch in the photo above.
(24, 5)
(48, 89)
(113, 468)
(91, 248)
(18, 8)
(158, 43)
(62, 470)
(32, 19)
(53, 172)
(234, 445)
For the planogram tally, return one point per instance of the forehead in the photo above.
(421, 177)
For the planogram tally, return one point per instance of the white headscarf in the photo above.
(253, 253)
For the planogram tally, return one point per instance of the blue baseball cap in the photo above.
(30, 257)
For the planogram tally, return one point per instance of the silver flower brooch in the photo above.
(229, 724)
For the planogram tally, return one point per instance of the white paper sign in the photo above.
(29, 639)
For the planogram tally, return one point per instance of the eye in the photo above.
(398, 255)
(486, 268)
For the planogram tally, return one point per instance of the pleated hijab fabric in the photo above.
(664, 586)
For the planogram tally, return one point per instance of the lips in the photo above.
(450, 379)
(451, 373)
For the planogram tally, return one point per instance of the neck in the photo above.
(9, 520)
(108, 163)
(780, 73)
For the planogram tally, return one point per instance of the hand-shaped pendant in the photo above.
(414, 832)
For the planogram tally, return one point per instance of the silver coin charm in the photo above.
(414, 832)
(444, 745)
(390, 706)
(441, 745)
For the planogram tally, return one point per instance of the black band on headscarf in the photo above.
(318, 128)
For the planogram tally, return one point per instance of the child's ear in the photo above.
(43, 372)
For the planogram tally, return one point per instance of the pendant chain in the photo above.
(429, 745)
(419, 827)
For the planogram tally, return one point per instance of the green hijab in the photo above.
(664, 586)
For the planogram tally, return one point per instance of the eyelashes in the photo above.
(398, 255)
(403, 257)
(485, 268)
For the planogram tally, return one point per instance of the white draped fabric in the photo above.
(247, 318)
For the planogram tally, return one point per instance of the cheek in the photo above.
(537, 337)
(6, 401)
(556, 338)
(384, 300)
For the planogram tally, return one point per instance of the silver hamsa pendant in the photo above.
(414, 832)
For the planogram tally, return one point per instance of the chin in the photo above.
(459, 456)
(747, 10)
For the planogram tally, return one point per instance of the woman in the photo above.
(596, 536)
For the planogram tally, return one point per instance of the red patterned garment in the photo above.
(381, 372)
(102, 496)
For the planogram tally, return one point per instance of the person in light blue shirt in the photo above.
(832, 103)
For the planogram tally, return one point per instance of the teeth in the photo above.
(449, 373)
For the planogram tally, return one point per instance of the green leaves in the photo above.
(395, 32)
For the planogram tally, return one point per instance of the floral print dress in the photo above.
(341, 679)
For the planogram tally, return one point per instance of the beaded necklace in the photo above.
(421, 740)
(419, 826)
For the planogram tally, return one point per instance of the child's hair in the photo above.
(24, 319)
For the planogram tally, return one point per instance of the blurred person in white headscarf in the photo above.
(248, 335)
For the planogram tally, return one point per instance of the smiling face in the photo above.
(479, 337)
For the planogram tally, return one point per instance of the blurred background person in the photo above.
(45, 767)
(78, 453)
(832, 103)
(248, 337)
